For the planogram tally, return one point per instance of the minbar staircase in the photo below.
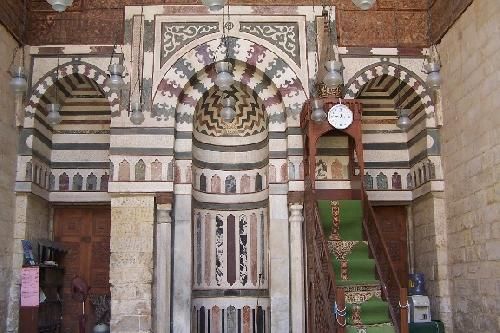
(352, 285)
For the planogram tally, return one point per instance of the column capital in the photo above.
(163, 212)
(296, 212)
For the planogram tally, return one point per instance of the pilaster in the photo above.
(279, 249)
(297, 296)
(182, 265)
(163, 267)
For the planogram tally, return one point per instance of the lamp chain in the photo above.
(400, 82)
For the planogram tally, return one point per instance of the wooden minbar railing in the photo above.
(391, 285)
(320, 276)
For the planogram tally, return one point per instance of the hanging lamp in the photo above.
(214, 4)
(333, 77)
(317, 114)
(364, 4)
(53, 116)
(228, 112)
(137, 116)
(18, 81)
(432, 63)
(115, 79)
(403, 121)
(433, 74)
(136, 113)
(224, 78)
(60, 5)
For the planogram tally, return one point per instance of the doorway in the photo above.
(85, 232)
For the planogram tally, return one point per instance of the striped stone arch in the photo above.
(260, 69)
(363, 76)
(72, 67)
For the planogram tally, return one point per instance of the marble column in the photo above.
(297, 296)
(182, 265)
(279, 287)
(163, 267)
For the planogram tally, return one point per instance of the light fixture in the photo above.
(60, 5)
(18, 81)
(224, 78)
(137, 116)
(214, 4)
(136, 113)
(228, 111)
(432, 63)
(317, 114)
(433, 75)
(404, 121)
(333, 66)
(115, 79)
(53, 115)
(333, 77)
(364, 4)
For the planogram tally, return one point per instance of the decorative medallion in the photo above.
(175, 35)
(284, 35)
(323, 91)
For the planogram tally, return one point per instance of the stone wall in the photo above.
(32, 221)
(131, 263)
(430, 253)
(8, 145)
(471, 158)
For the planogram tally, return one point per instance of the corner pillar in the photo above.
(297, 296)
(182, 265)
(163, 264)
(279, 248)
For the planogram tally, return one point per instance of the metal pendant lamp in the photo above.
(115, 79)
(404, 121)
(137, 116)
(317, 114)
(228, 112)
(214, 4)
(333, 77)
(53, 115)
(224, 78)
(18, 81)
(364, 4)
(433, 75)
(60, 5)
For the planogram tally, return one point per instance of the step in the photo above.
(343, 249)
(349, 212)
(380, 328)
(357, 294)
(357, 269)
(370, 312)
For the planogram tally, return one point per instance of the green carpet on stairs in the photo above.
(372, 314)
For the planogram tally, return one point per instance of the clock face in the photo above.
(340, 116)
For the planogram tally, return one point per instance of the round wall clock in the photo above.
(340, 116)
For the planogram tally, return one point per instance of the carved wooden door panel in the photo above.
(392, 220)
(85, 231)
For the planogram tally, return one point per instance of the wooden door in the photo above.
(392, 220)
(85, 231)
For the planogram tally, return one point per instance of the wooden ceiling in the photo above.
(100, 21)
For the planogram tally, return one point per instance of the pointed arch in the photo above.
(364, 75)
(85, 69)
(254, 65)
